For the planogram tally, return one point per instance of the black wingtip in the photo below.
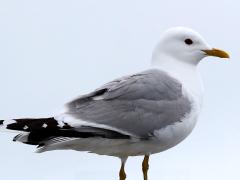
(1, 122)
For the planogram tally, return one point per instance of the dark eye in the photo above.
(188, 41)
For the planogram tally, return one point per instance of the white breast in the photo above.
(173, 134)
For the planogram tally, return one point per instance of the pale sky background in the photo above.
(54, 50)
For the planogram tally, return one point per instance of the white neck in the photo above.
(185, 72)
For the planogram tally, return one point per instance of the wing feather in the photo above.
(138, 104)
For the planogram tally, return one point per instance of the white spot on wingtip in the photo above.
(44, 125)
(60, 124)
(25, 127)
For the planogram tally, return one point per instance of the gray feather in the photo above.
(138, 104)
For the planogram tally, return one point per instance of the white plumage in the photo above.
(139, 114)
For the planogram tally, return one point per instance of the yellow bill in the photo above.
(217, 53)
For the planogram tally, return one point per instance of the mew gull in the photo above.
(139, 114)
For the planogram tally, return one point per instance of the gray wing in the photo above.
(137, 104)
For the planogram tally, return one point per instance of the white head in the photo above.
(185, 45)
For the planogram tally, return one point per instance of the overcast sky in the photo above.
(54, 50)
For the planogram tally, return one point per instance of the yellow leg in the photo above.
(145, 167)
(122, 174)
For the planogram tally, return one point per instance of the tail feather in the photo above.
(22, 137)
(34, 131)
(45, 131)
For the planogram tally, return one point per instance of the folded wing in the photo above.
(136, 104)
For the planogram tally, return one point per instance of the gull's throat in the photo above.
(186, 73)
